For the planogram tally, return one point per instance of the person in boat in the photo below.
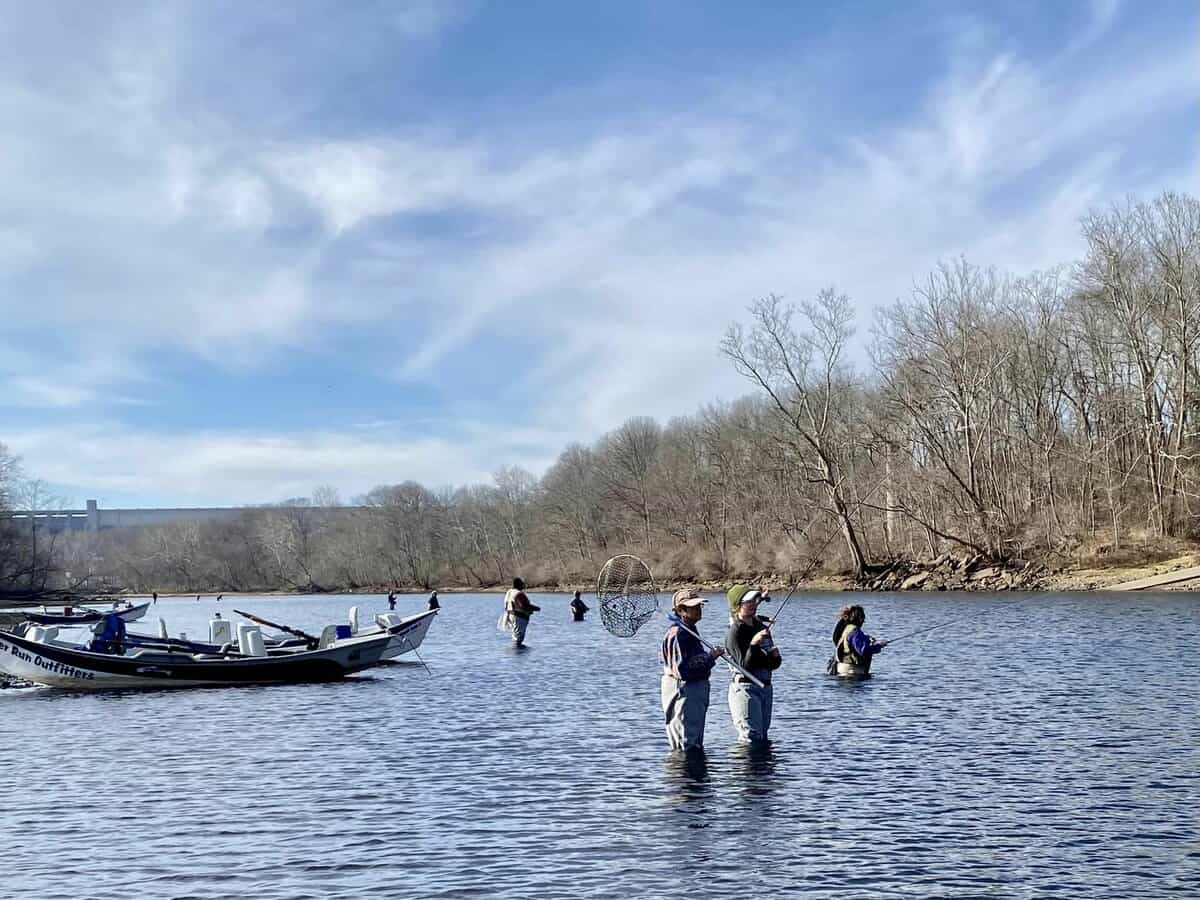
(517, 609)
(750, 645)
(578, 607)
(392, 600)
(433, 601)
(856, 648)
(686, 669)
(108, 635)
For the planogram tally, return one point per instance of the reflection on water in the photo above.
(754, 765)
(686, 781)
(1002, 757)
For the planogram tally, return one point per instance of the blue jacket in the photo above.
(861, 643)
(685, 657)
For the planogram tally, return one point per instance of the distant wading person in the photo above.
(433, 601)
(392, 600)
(686, 667)
(856, 648)
(578, 607)
(749, 644)
(517, 610)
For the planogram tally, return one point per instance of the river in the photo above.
(1041, 746)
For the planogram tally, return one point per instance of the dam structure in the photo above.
(95, 518)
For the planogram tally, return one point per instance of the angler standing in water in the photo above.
(855, 648)
(749, 644)
(838, 628)
(578, 607)
(517, 610)
(686, 667)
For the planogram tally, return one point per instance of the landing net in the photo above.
(627, 595)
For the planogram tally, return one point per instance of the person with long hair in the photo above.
(855, 648)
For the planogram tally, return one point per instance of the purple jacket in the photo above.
(861, 643)
(685, 657)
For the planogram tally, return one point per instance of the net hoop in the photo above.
(627, 594)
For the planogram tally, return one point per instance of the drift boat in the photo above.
(84, 615)
(40, 657)
(407, 634)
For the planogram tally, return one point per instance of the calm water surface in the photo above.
(1043, 746)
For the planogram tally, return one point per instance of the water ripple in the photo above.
(1003, 758)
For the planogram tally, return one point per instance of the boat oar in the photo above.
(312, 641)
(918, 631)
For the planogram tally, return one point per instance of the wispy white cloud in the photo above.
(132, 466)
(559, 280)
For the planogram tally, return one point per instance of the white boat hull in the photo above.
(407, 634)
(57, 664)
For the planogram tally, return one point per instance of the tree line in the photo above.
(986, 413)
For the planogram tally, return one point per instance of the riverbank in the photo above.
(1096, 571)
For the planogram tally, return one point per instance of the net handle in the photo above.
(734, 667)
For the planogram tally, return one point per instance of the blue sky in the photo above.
(248, 249)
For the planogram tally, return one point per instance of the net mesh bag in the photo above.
(627, 595)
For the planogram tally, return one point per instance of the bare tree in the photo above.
(626, 459)
(408, 521)
(802, 371)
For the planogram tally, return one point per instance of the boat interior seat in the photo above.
(328, 636)
(41, 634)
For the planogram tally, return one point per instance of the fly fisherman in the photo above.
(856, 648)
(517, 610)
(686, 667)
(578, 607)
(749, 644)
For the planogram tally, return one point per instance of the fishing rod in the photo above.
(918, 631)
(803, 577)
(815, 558)
(675, 620)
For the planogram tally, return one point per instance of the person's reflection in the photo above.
(686, 776)
(755, 767)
